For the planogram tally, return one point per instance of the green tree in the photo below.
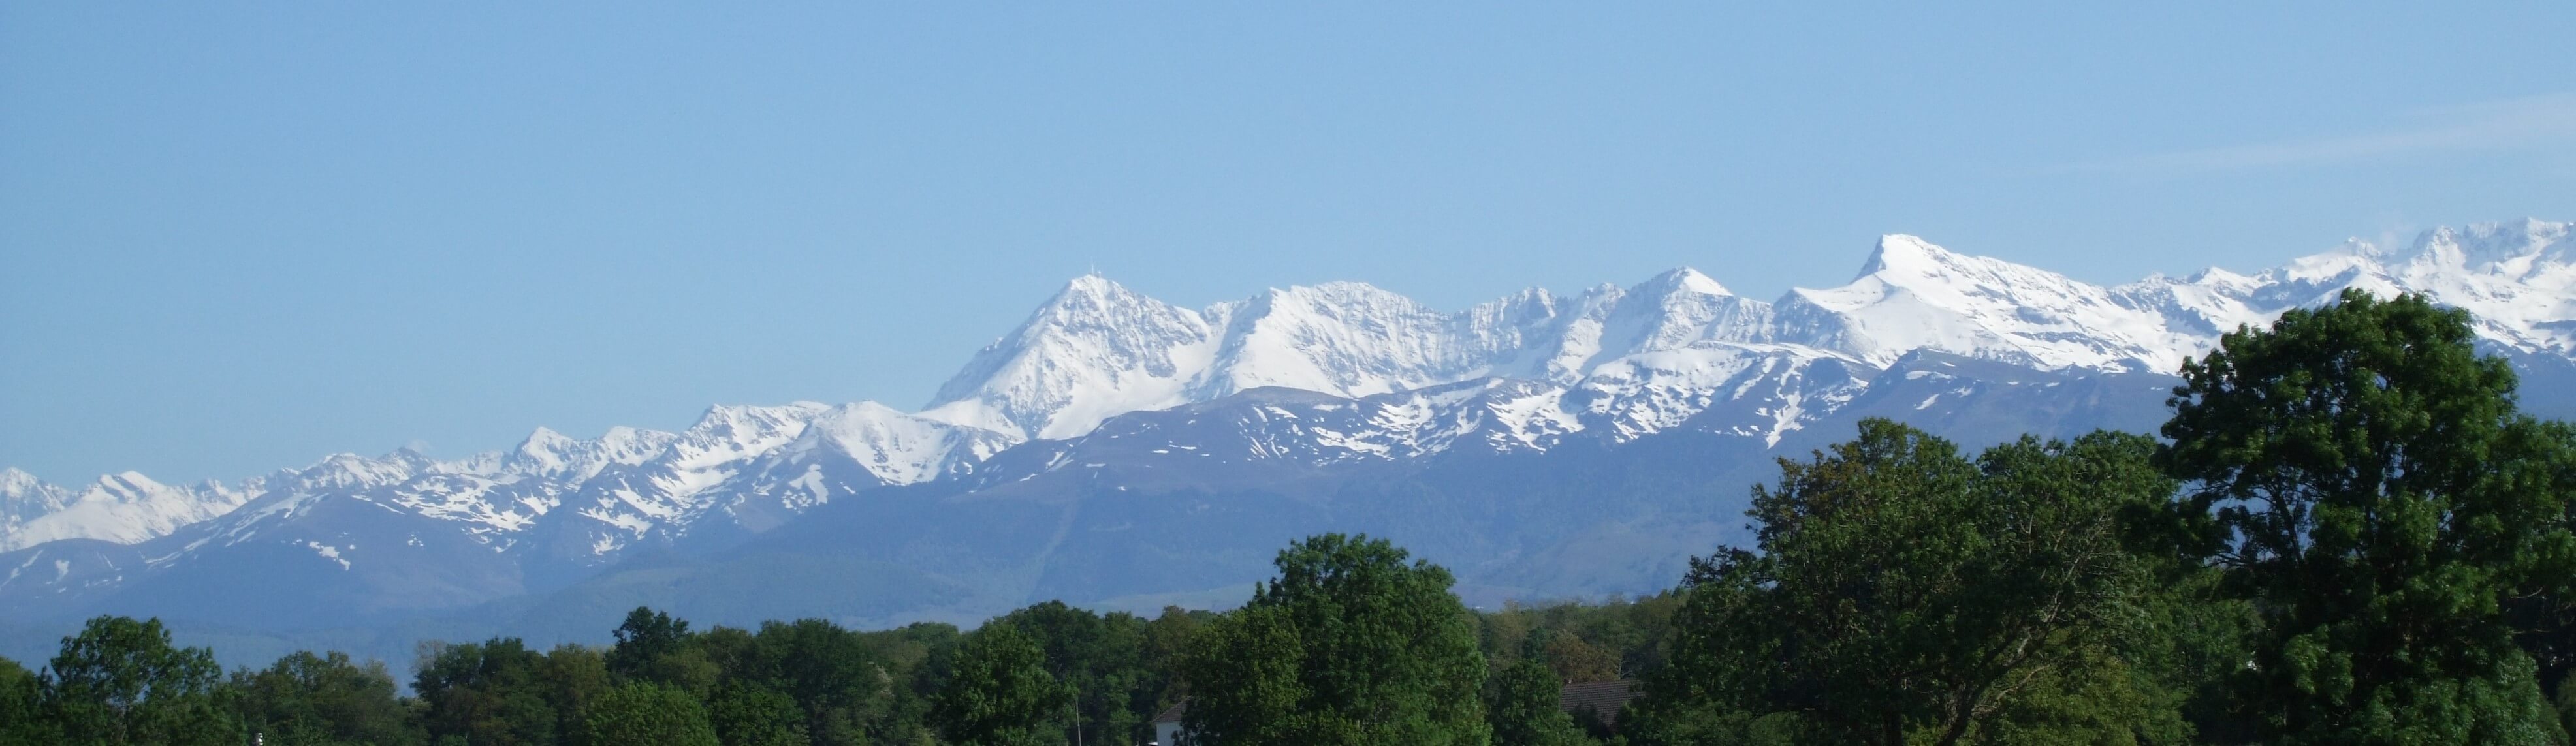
(492, 693)
(569, 678)
(120, 681)
(648, 713)
(1572, 659)
(1906, 594)
(2376, 494)
(309, 700)
(1612, 639)
(832, 674)
(1349, 645)
(748, 714)
(646, 637)
(912, 657)
(1168, 639)
(1524, 710)
(1000, 694)
(2566, 703)
(22, 719)
(1102, 658)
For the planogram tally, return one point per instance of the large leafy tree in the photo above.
(643, 640)
(1525, 708)
(120, 681)
(644, 712)
(1349, 645)
(2375, 493)
(831, 673)
(308, 699)
(1000, 694)
(492, 693)
(570, 678)
(1906, 594)
(1101, 658)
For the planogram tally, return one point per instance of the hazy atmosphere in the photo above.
(1339, 374)
(239, 237)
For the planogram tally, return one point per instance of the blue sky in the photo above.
(236, 237)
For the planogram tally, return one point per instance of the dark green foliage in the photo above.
(806, 681)
(1167, 646)
(648, 713)
(2195, 641)
(1908, 594)
(119, 681)
(1121, 667)
(305, 699)
(2377, 497)
(1000, 694)
(644, 639)
(2545, 626)
(913, 656)
(2566, 703)
(830, 672)
(1614, 639)
(1349, 645)
(1524, 709)
(1096, 658)
(746, 714)
(22, 721)
(486, 694)
(570, 678)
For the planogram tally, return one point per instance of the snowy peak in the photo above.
(1097, 350)
(1515, 330)
(1682, 306)
(1521, 372)
(23, 498)
(1902, 255)
(125, 507)
(2516, 250)
(546, 453)
(748, 426)
(15, 483)
(345, 471)
(2518, 278)
(129, 485)
(1687, 280)
(1341, 338)
(895, 447)
(1093, 350)
(1958, 281)
(1913, 295)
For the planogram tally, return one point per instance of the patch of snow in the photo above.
(328, 552)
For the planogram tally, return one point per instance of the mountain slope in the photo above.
(1339, 405)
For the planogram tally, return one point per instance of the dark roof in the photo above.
(1173, 713)
(1604, 697)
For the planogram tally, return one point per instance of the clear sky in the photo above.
(239, 236)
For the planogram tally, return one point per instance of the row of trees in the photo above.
(1045, 674)
(2347, 534)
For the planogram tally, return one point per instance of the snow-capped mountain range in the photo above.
(1526, 372)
